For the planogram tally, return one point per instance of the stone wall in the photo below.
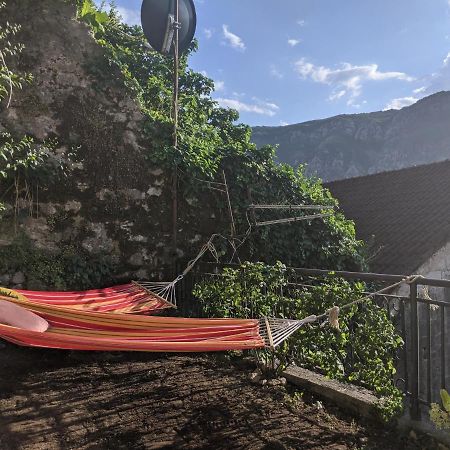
(114, 201)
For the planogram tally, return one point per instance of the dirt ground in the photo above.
(66, 400)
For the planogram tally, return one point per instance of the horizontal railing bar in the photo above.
(368, 276)
(445, 304)
(350, 275)
(433, 282)
(305, 207)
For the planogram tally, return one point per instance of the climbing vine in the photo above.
(211, 140)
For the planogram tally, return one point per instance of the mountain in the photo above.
(359, 144)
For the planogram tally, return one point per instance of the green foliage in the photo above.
(72, 268)
(9, 79)
(211, 139)
(25, 165)
(26, 158)
(361, 352)
(87, 12)
(441, 416)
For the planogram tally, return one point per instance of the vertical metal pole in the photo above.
(415, 369)
(429, 381)
(443, 359)
(175, 136)
(230, 209)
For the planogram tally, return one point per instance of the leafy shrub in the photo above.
(361, 352)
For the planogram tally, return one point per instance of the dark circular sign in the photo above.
(157, 18)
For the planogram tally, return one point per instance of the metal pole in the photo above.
(176, 74)
(415, 360)
(230, 209)
(175, 135)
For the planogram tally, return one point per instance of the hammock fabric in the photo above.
(124, 299)
(87, 330)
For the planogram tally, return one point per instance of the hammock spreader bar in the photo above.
(276, 331)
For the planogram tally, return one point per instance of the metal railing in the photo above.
(423, 366)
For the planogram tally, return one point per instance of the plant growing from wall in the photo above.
(9, 79)
(441, 415)
(25, 165)
(22, 161)
(362, 351)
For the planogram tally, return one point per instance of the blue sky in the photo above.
(289, 61)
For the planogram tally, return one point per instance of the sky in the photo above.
(290, 61)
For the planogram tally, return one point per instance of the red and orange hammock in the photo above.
(125, 299)
(102, 320)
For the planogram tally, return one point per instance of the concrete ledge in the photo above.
(354, 399)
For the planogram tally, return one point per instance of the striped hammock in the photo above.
(87, 330)
(75, 326)
(125, 299)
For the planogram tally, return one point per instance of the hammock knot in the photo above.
(333, 317)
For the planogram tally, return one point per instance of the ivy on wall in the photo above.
(211, 139)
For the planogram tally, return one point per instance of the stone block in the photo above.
(352, 398)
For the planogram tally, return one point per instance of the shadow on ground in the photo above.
(67, 400)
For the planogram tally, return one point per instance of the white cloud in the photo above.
(447, 59)
(259, 107)
(293, 42)
(208, 33)
(129, 16)
(346, 79)
(399, 103)
(232, 39)
(337, 95)
(275, 73)
(420, 90)
(265, 104)
(219, 85)
(302, 22)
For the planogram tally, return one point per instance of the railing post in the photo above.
(415, 360)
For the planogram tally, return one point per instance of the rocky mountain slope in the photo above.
(359, 144)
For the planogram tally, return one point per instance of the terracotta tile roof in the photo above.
(405, 213)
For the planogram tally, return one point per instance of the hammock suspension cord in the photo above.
(276, 331)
